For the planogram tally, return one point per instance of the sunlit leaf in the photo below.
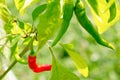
(19, 3)
(12, 7)
(94, 5)
(14, 45)
(8, 27)
(112, 8)
(59, 72)
(49, 22)
(38, 10)
(106, 18)
(77, 59)
(30, 13)
(16, 29)
(4, 14)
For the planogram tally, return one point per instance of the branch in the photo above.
(15, 61)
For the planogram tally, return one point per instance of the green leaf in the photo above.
(4, 13)
(78, 60)
(32, 12)
(59, 72)
(94, 5)
(112, 9)
(38, 10)
(14, 45)
(12, 7)
(109, 14)
(68, 8)
(7, 27)
(19, 3)
(21, 24)
(49, 22)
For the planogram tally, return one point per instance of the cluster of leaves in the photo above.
(42, 19)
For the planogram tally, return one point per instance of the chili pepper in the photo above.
(36, 67)
(32, 61)
(68, 9)
(33, 65)
(87, 25)
(18, 56)
(20, 60)
(41, 68)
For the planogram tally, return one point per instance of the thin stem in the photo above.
(10, 67)
(15, 61)
(50, 49)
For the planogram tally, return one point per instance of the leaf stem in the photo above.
(10, 67)
(51, 51)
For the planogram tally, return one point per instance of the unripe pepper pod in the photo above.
(88, 26)
(68, 8)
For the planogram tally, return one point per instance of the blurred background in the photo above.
(103, 63)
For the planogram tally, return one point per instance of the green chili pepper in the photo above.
(87, 25)
(49, 22)
(68, 9)
(20, 60)
(18, 56)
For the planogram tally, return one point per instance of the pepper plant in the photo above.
(31, 26)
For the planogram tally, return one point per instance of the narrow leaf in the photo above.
(14, 45)
(49, 22)
(11, 6)
(59, 72)
(38, 10)
(94, 5)
(21, 24)
(78, 60)
(112, 10)
(19, 3)
(4, 14)
(7, 27)
(32, 12)
(109, 14)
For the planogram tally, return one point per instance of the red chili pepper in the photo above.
(41, 68)
(36, 67)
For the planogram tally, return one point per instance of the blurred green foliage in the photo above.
(103, 63)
